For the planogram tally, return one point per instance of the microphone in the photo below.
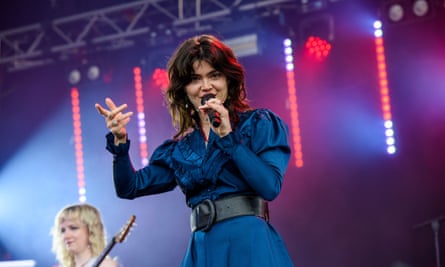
(213, 115)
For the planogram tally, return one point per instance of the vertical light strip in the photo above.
(78, 147)
(384, 88)
(293, 105)
(140, 115)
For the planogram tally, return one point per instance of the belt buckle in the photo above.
(205, 215)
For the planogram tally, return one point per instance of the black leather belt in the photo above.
(209, 212)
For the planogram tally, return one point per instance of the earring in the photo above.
(186, 105)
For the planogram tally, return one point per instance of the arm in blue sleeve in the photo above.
(264, 162)
(130, 183)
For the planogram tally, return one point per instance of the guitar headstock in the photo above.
(120, 237)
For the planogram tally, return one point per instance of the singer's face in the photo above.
(206, 80)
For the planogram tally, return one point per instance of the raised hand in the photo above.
(115, 119)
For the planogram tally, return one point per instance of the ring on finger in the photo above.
(114, 123)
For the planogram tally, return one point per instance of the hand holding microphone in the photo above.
(214, 117)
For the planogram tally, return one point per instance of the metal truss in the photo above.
(118, 27)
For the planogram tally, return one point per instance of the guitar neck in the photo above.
(104, 253)
(118, 238)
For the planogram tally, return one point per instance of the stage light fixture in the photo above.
(93, 72)
(74, 77)
(307, 6)
(420, 8)
(409, 11)
(321, 26)
(317, 48)
(396, 12)
(245, 45)
(160, 78)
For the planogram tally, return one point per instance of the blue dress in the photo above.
(251, 160)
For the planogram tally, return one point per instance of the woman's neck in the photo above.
(205, 130)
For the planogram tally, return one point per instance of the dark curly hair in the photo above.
(210, 49)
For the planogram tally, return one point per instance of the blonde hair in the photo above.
(90, 216)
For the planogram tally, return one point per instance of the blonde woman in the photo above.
(79, 237)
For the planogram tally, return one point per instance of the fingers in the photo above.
(110, 103)
(100, 109)
(114, 117)
(112, 111)
(214, 104)
(119, 120)
(116, 110)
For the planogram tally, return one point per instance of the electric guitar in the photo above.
(118, 238)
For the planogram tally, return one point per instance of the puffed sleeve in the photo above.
(156, 177)
(261, 151)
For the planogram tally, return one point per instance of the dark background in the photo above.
(350, 205)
